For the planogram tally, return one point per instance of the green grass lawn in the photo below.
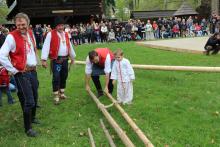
(171, 108)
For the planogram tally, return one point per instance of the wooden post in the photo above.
(136, 129)
(108, 136)
(215, 6)
(170, 68)
(112, 122)
(92, 142)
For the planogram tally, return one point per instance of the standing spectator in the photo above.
(204, 25)
(156, 30)
(89, 33)
(143, 30)
(82, 34)
(149, 31)
(97, 32)
(128, 27)
(139, 31)
(75, 35)
(38, 32)
(183, 28)
(160, 24)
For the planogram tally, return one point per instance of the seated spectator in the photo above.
(192, 31)
(111, 36)
(124, 35)
(198, 30)
(135, 37)
(118, 35)
(176, 31)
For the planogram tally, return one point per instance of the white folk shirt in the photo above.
(122, 71)
(107, 68)
(63, 50)
(10, 46)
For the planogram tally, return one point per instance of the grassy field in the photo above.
(172, 108)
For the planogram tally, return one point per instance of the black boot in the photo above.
(100, 93)
(31, 133)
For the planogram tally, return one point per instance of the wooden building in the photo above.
(44, 11)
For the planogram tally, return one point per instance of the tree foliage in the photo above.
(110, 2)
(3, 12)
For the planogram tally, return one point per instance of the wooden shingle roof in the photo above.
(185, 9)
(151, 14)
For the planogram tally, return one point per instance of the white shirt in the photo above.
(63, 50)
(107, 68)
(10, 46)
(111, 35)
(122, 71)
(104, 29)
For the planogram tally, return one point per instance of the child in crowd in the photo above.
(4, 85)
(123, 72)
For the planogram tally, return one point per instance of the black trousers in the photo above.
(28, 84)
(60, 74)
(96, 72)
(214, 49)
(98, 86)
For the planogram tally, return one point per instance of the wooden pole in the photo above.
(112, 122)
(92, 142)
(170, 68)
(136, 129)
(177, 68)
(108, 136)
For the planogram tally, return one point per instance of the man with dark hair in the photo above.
(58, 47)
(20, 46)
(98, 63)
(213, 44)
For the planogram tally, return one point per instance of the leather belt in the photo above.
(30, 68)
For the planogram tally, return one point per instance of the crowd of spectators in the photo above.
(133, 30)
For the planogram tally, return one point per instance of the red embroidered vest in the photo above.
(102, 53)
(55, 44)
(19, 57)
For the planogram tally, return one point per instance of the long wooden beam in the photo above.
(133, 125)
(170, 68)
(108, 136)
(112, 122)
(92, 142)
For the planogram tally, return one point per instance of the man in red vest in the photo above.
(58, 47)
(99, 62)
(20, 47)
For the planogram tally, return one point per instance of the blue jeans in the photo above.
(8, 93)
